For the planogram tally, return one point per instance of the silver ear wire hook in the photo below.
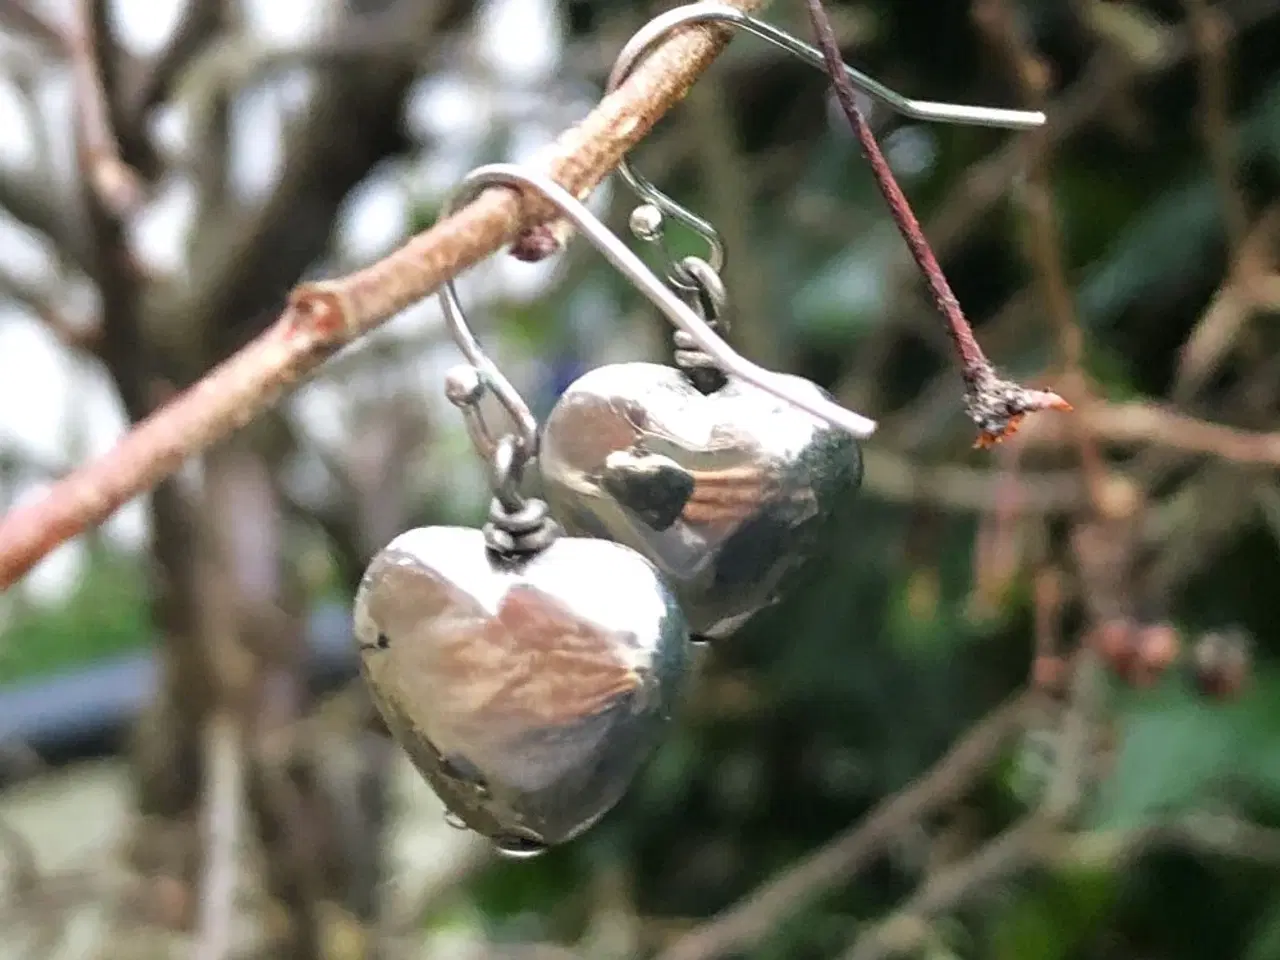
(647, 227)
(466, 386)
(629, 264)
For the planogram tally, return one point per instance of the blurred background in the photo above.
(1084, 617)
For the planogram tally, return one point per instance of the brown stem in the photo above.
(996, 405)
(115, 184)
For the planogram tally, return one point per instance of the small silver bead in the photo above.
(463, 386)
(646, 222)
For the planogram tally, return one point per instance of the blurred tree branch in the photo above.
(748, 922)
(222, 836)
(322, 317)
(904, 930)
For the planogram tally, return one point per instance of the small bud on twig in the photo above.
(1220, 664)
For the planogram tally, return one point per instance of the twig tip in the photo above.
(999, 406)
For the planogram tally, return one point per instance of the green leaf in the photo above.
(1265, 944)
(1179, 751)
(106, 615)
(1052, 920)
(1175, 750)
(1171, 236)
(1028, 931)
(851, 292)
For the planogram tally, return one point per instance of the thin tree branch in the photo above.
(115, 184)
(893, 477)
(41, 302)
(753, 918)
(1019, 847)
(1210, 35)
(996, 405)
(195, 30)
(1138, 423)
(1034, 842)
(223, 824)
(20, 17)
(985, 183)
(32, 198)
(322, 317)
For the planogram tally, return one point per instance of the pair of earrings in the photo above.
(528, 668)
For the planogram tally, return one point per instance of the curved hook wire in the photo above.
(629, 264)
(709, 11)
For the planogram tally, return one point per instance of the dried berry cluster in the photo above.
(1217, 663)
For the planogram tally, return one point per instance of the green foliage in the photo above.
(106, 615)
(1052, 919)
(1179, 753)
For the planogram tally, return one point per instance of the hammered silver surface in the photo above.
(528, 692)
(729, 494)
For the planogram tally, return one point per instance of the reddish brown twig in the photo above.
(998, 406)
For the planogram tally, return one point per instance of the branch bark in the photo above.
(322, 317)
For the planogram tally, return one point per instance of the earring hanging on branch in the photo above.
(527, 674)
(728, 492)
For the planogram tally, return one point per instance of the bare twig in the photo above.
(1205, 834)
(20, 17)
(892, 477)
(112, 180)
(1033, 842)
(82, 336)
(1014, 850)
(996, 405)
(1138, 423)
(985, 183)
(195, 30)
(1071, 777)
(751, 919)
(224, 795)
(33, 198)
(322, 317)
(1210, 35)
(1148, 423)
(1250, 285)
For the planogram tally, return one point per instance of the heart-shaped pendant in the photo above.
(527, 690)
(728, 493)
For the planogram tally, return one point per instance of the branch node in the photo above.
(539, 242)
(998, 406)
(319, 311)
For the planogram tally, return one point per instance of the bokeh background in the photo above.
(189, 762)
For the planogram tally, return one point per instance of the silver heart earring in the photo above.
(728, 491)
(528, 674)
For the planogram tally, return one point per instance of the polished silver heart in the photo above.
(527, 691)
(728, 493)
